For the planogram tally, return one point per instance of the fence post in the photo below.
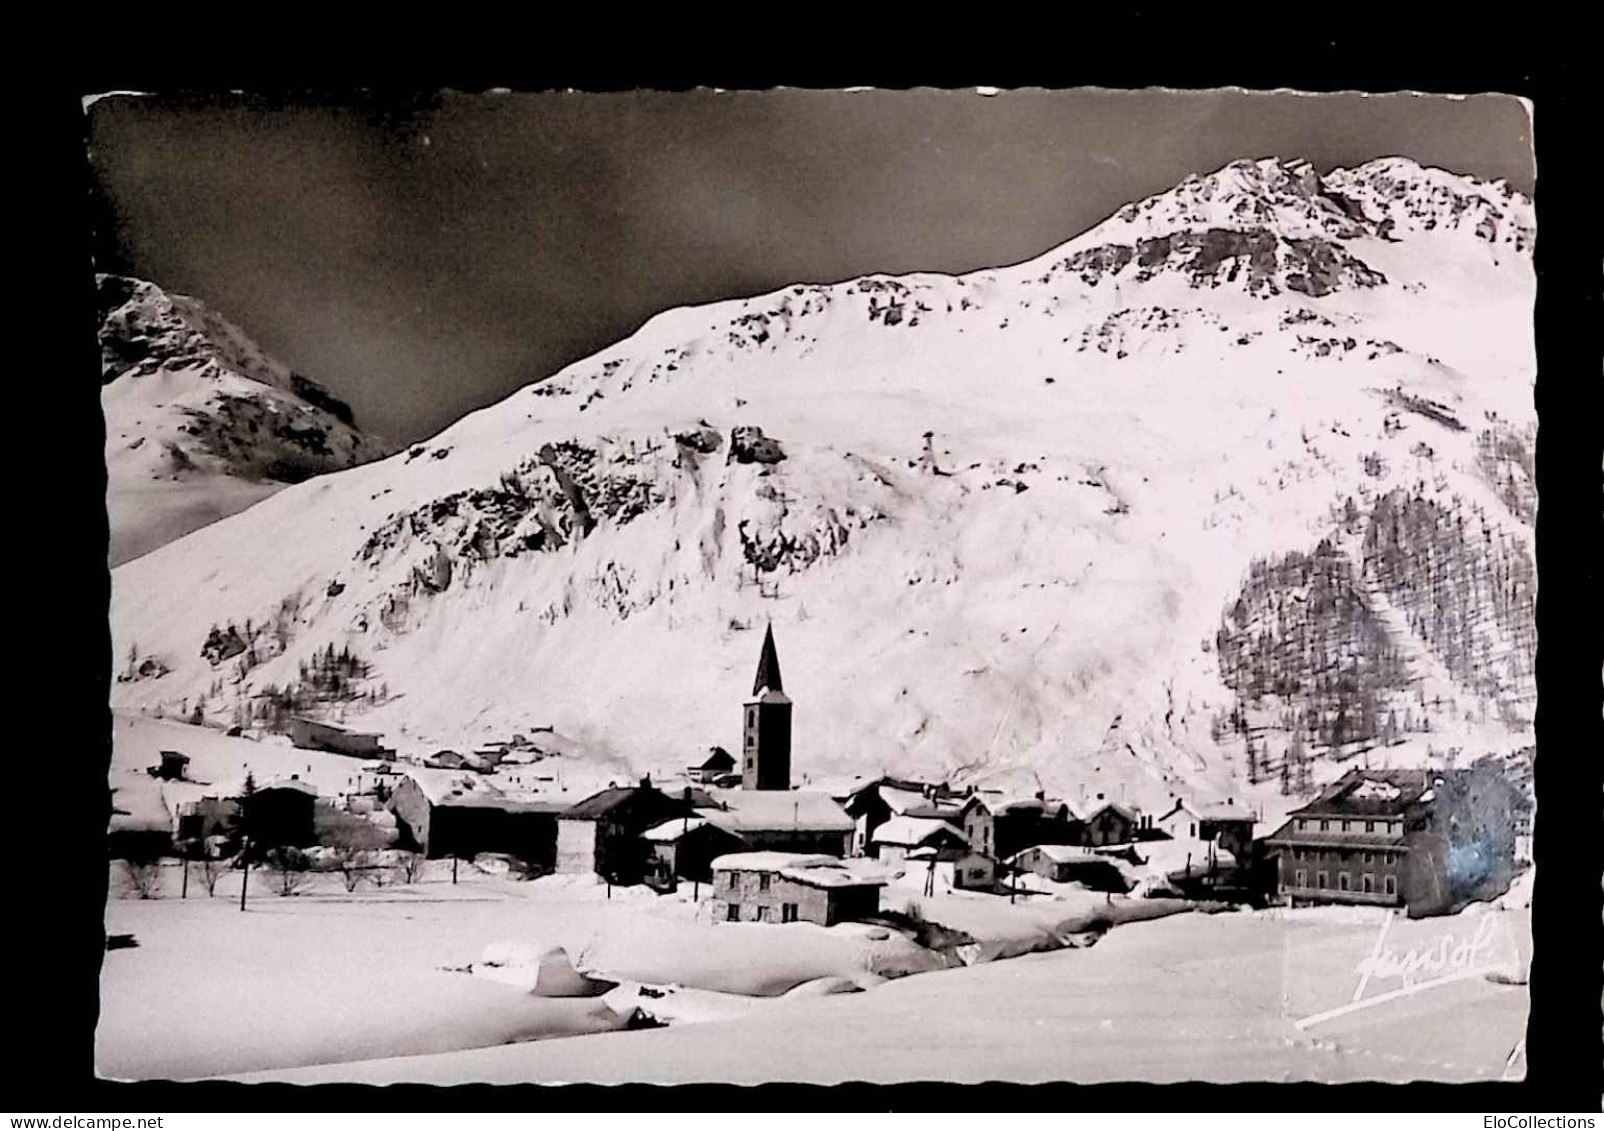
(245, 876)
(183, 892)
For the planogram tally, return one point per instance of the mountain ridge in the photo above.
(201, 422)
(988, 514)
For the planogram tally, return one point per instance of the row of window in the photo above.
(1343, 854)
(1391, 828)
(765, 913)
(732, 880)
(1367, 882)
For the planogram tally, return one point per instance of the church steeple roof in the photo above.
(768, 666)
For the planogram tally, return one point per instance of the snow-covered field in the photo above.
(430, 981)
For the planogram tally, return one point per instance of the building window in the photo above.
(1369, 884)
(732, 913)
(1322, 879)
(1300, 878)
(1387, 857)
(763, 881)
(1390, 885)
(1342, 881)
(1303, 825)
(1325, 826)
(1344, 826)
(1370, 826)
(788, 913)
(762, 914)
(1370, 858)
(1191, 830)
(749, 763)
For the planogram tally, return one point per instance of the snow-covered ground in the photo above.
(1215, 998)
(426, 981)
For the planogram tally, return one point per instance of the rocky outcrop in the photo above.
(749, 445)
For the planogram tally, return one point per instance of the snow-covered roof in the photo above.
(671, 830)
(814, 870)
(1058, 853)
(1228, 812)
(767, 861)
(910, 831)
(1118, 807)
(470, 791)
(294, 784)
(761, 810)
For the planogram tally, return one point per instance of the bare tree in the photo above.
(410, 864)
(143, 878)
(288, 869)
(212, 867)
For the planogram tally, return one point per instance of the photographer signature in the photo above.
(1449, 958)
(1442, 957)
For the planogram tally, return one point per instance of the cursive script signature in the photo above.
(1447, 954)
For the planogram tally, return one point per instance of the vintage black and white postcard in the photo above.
(818, 585)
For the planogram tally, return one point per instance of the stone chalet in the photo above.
(875, 802)
(1000, 826)
(898, 838)
(1426, 840)
(788, 887)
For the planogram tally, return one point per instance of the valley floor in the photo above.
(371, 986)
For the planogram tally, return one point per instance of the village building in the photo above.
(443, 814)
(766, 813)
(1426, 840)
(173, 766)
(874, 803)
(718, 763)
(791, 821)
(1001, 827)
(1066, 863)
(685, 848)
(602, 833)
(974, 871)
(1111, 823)
(281, 813)
(787, 887)
(1226, 826)
(894, 840)
(310, 734)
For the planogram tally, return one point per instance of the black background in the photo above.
(59, 587)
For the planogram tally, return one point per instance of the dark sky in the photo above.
(425, 259)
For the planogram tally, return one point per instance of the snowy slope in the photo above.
(200, 423)
(1027, 593)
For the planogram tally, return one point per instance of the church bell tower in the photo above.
(766, 726)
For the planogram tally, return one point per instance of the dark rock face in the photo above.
(749, 445)
(1257, 257)
(704, 439)
(221, 645)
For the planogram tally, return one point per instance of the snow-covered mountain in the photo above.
(1037, 523)
(200, 423)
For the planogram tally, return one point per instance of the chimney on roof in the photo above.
(646, 781)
